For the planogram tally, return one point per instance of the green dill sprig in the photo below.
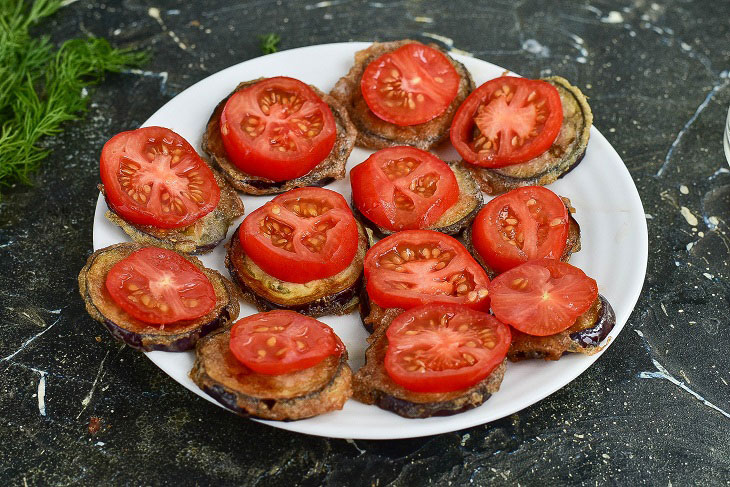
(269, 43)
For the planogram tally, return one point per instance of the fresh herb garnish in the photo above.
(269, 43)
(42, 86)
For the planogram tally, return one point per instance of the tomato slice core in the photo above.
(159, 286)
(411, 85)
(153, 176)
(301, 235)
(506, 121)
(415, 267)
(278, 128)
(524, 224)
(280, 342)
(403, 188)
(444, 348)
(542, 297)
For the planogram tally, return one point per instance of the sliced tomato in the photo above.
(278, 128)
(153, 176)
(280, 342)
(444, 348)
(506, 121)
(159, 286)
(411, 85)
(542, 297)
(415, 267)
(524, 224)
(401, 188)
(301, 235)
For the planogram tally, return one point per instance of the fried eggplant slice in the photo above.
(373, 385)
(173, 337)
(566, 152)
(585, 336)
(200, 237)
(330, 169)
(374, 133)
(338, 294)
(296, 395)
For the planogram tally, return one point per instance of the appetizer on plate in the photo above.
(302, 251)
(524, 224)
(434, 360)
(275, 134)
(160, 192)
(404, 188)
(155, 299)
(403, 93)
(416, 267)
(520, 132)
(278, 365)
(553, 308)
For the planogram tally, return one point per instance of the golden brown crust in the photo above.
(331, 168)
(319, 389)
(374, 133)
(200, 237)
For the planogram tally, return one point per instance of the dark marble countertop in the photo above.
(79, 408)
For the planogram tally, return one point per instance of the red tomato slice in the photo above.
(159, 286)
(444, 348)
(542, 297)
(524, 224)
(411, 85)
(152, 176)
(279, 342)
(301, 235)
(402, 188)
(415, 267)
(278, 128)
(506, 121)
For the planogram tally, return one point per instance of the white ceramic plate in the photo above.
(613, 239)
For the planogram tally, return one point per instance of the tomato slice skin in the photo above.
(278, 128)
(301, 235)
(416, 267)
(542, 297)
(524, 224)
(507, 121)
(403, 188)
(444, 348)
(153, 176)
(411, 85)
(159, 286)
(279, 342)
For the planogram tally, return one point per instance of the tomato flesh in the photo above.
(153, 176)
(524, 224)
(411, 85)
(278, 128)
(301, 235)
(403, 188)
(280, 342)
(444, 348)
(159, 286)
(506, 121)
(542, 297)
(415, 267)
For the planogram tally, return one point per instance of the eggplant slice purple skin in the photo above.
(592, 337)
(175, 337)
(328, 170)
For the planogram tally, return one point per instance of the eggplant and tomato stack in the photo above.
(517, 132)
(275, 134)
(301, 251)
(155, 299)
(277, 365)
(403, 93)
(404, 188)
(160, 192)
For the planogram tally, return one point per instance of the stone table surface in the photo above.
(78, 408)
